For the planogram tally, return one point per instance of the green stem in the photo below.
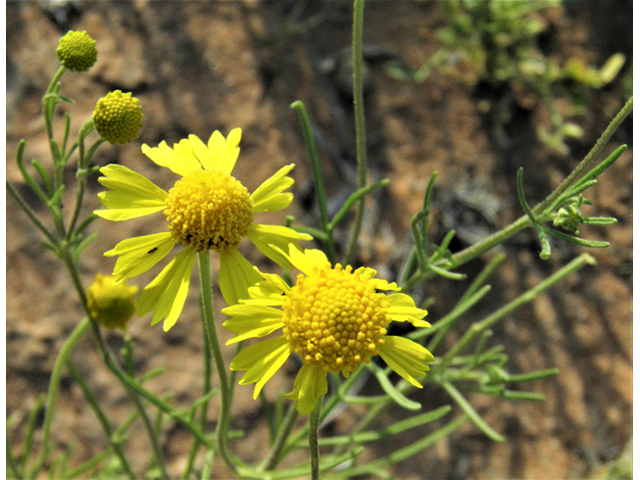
(358, 104)
(588, 160)
(11, 462)
(314, 450)
(208, 316)
(401, 454)
(48, 117)
(540, 210)
(31, 428)
(274, 456)
(471, 413)
(131, 386)
(102, 418)
(528, 296)
(205, 406)
(54, 384)
(32, 216)
(317, 179)
(475, 250)
(81, 175)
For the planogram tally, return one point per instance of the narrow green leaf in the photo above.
(353, 198)
(446, 274)
(392, 391)
(578, 241)
(527, 396)
(471, 413)
(31, 427)
(599, 221)
(610, 160)
(46, 179)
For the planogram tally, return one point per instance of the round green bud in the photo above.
(111, 304)
(77, 51)
(117, 117)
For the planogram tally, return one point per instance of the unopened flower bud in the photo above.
(118, 117)
(77, 51)
(111, 304)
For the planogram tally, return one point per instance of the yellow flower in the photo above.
(335, 318)
(207, 209)
(111, 304)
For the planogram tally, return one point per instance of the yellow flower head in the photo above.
(117, 117)
(77, 51)
(207, 209)
(335, 318)
(111, 304)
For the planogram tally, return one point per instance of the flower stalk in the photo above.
(208, 316)
(358, 108)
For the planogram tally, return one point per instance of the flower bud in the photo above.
(77, 51)
(118, 117)
(111, 304)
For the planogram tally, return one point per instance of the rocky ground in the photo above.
(201, 66)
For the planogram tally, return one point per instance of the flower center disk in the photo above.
(209, 210)
(334, 319)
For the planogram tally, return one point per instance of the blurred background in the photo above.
(472, 90)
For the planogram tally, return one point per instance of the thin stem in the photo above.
(48, 113)
(32, 216)
(588, 160)
(31, 428)
(131, 386)
(11, 462)
(471, 413)
(528, 296)
(475, 250)
(102, 418)
(314, 450)
(540, 209)
(358, 104)
(317, 179)
(208, 316)
(353, 198)
(274, 456)
(206, 381)
(405, 452)
(54, 384)
(81, 175)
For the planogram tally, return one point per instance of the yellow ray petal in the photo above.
(268, 196)
(179, 159)
(264, 329)
(235, 277)
(202, 153)
(270, 291)
(310, 384)
(261, 361)
(307, 260)
(121, 178)
(231, 151)
(403, 309)
(132, 195)
(245, 317)
(406, 357)
(216, 147)
(166, 294)
(266, 236)
(139, 254)
(126, 214)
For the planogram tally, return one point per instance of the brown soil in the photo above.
(199, 66)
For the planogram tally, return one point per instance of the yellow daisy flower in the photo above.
(207, 209)
(335, 318)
